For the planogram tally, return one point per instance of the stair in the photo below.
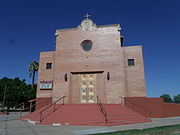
(89, 115)
(121, 115)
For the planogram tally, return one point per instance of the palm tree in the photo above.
(33, 68)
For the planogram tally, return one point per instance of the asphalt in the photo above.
(10, 125)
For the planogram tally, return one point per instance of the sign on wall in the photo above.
(46, 85)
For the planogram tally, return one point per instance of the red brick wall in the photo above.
(41, 102)
(171, 110)
(156, 106)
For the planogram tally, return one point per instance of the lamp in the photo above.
(108, 76)
(65, 77)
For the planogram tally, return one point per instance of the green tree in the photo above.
(33, 68)
(177, 98)
(4, 85)
(167, 98)
(14, 92)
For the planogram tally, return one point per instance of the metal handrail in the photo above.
(54, 109)
(102, 108)
(149, 112)
(39, 102)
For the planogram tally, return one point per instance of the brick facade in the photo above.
(107, 55)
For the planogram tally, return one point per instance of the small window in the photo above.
(48, 65)
(131, 62)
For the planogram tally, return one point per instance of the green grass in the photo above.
(164, 130)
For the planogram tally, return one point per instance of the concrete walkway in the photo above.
(10, 125)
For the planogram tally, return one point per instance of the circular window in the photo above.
(87, 45)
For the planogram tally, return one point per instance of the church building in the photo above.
(92, 79)
(90, 60)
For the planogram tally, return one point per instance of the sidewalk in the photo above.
(9, 125)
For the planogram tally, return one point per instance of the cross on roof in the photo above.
(87, 16)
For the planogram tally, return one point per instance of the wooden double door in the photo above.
(85, 87)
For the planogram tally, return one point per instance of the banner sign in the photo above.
(46, 85)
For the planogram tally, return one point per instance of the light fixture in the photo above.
(108, 76)
(65, 77)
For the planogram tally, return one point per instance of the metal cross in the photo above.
(87, 16)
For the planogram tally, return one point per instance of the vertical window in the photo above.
(131, 62)
(48, 65)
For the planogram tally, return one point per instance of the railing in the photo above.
(102, 108)
(49, 107)
(135, 106)
(33, 106)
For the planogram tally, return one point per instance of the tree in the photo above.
(14, 92)
(33, 68)
(177, 98)
(167, 98)
(4, 83)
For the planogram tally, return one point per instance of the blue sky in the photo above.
(27, 28)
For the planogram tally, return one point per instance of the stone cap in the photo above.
(88, 25)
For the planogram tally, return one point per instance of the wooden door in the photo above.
(88, 88)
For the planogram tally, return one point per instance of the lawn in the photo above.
(164, 130)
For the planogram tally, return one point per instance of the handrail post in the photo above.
(54, 107)
(40, 117)
(30, 106)
(63, 100)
